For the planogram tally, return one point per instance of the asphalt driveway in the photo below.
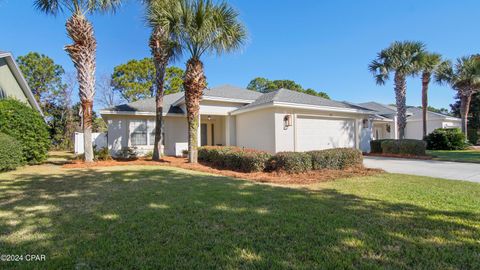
(432, 168)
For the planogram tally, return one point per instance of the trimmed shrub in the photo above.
(390, 147)
(376, 146)
(446, 139)
(336, 159)
(404, 147)
(412, 147)
(11, 154)
(234, 158)
(27, 126)
(291, 162)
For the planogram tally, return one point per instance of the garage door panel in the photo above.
(315, 133)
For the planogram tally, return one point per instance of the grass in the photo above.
(143, 217)
(456, 155)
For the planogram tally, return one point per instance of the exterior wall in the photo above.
(119, 127)
(256, 130)
(176, 132)
(9, 86)
(230, 130)
(414, 129)
(285, 137)
(208, 107)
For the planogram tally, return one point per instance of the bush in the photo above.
(11, 154)
(234, 158)
(403, 147)
(412, 147)
(336, 159)
(291, 162)
(446, 139)
(390, 147)
(101, 154)
(376, 146)
(26, 126)
(128, 153)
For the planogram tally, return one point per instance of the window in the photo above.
(151, 132)
(138, 134)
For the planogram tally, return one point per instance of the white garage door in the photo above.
(315, 133)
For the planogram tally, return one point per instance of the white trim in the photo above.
(21, 80)
(213, 98)
(299, 106)
(233, 100)
(440, 118)
(107, 112)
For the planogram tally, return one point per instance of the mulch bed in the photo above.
(398, 156)
(263, 177)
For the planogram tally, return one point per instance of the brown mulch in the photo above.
(398, 156)
(263, 177)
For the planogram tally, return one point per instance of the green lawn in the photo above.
(139, 217)
(456, 155)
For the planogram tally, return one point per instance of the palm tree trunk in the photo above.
(425, 82)
(83, 53)
(194, 83)
(161, 55)
(400, 96)
(465, 99)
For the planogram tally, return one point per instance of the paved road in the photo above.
(433, 168)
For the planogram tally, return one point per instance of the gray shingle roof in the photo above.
(148, 105)
(381, 109)
(224, 91)
(285, 95)
(388, 110)
(229, 91)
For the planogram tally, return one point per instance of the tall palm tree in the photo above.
(163, 49)
(402, 59)
(464, 78)
(82, 51)
(429, 63)
(201, 27)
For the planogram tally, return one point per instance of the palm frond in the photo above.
(76, 6)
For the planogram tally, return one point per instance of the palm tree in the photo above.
(203, 27)
(82, 51)
(402, 59)
(163, 50)
(464, 78)
(429, 63)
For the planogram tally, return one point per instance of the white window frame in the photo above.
(135, 124)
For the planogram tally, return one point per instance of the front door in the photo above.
(203, 135)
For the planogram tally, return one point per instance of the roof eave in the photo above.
(21, 81)
(300, 106)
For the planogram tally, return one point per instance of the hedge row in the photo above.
(234, 158)
(11, 154)
(399, 147)
(247, 160)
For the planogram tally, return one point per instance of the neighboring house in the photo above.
(385, 121)
(282, 120)
(12, 82)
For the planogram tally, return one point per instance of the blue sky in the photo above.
(325, 45)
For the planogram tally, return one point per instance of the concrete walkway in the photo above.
(432, 168)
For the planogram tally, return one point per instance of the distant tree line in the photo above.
(264, 85)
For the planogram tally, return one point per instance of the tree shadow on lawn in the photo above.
(161, 218)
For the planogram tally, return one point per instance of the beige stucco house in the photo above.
(12, 82)
(384, 123)
(282, 120)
